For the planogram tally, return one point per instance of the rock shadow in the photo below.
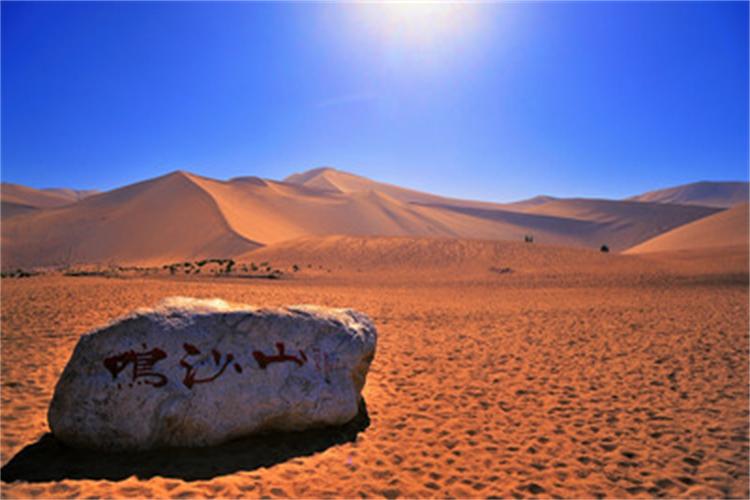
(50, 460)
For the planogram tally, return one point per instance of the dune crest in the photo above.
(705, 193)
(182, 216)
(161, 220)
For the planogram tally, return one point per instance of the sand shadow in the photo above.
(50, 460)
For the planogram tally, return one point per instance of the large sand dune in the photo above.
(183, 216)
(17, 199)
(586, 223)
(162, 220)
(729, 228)
(709, 194)
(269, 211)
(41, 198)
(330, 179)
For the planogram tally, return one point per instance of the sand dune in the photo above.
(446, 259)
(162, 220)
(623, 223)
(589, 223)
(38, 198)
(327, 201)
(72, 194)
(17, 199)
(269, 211)
(729, 228)
(182, 216)
(332, 180)
(9, 209)
(41, 198)
(528, 203)
(710, 194)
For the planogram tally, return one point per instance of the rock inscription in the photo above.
(195, 373)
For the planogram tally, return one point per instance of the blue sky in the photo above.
(495, 101)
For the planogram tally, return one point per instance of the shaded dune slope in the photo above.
(10, 209)
(729, 228)
(588, 223)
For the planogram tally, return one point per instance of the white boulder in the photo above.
(201, 372)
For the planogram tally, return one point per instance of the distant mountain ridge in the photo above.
(183, 216)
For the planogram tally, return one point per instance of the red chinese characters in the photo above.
(265, 359)
(200, 368)
(219, 366)
(143, 365)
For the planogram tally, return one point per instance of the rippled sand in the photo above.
(574, 386)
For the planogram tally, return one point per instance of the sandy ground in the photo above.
(574, 386)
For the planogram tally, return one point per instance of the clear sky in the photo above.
(496, 101)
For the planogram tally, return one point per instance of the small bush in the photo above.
(604, 248)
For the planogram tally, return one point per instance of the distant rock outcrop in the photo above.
(201, 372)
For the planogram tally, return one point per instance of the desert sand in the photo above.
(503, 369)
(183, 216)
(705, 193)
(17, 199)
(724, 229)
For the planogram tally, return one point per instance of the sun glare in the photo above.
(421, 25)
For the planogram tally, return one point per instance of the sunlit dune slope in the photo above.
(269, 212)
(161, 220)
(724, 229)
(443, 256)
(332, 180)
(710, 194)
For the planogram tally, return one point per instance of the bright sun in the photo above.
(422, 25)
